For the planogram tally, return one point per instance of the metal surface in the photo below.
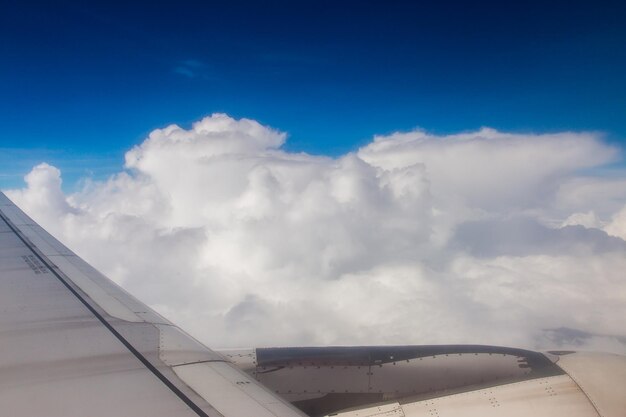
(543, 397)
(376, 355)
(438, 380)
(323, 379)
(223, 385)
(602, 377)
(73, 343)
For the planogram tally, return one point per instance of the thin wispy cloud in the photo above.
(191, 68)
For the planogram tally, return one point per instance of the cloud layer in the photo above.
(481, 237)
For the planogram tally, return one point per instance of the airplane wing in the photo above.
(73, 343)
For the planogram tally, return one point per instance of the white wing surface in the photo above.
(73, 343)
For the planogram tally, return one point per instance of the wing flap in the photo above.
(222, 385)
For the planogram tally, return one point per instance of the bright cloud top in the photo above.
(481, 237)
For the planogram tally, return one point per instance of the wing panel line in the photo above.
(106, 324)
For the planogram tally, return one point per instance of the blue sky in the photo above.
(82, 83)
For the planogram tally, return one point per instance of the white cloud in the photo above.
(588, 220)
(490, 169)
(617, 226)
(481, 237)
(43, 192)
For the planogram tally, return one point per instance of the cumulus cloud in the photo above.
(617, 226)
(480, 237)
(490, 169)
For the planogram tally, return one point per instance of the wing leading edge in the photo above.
(73, 343)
